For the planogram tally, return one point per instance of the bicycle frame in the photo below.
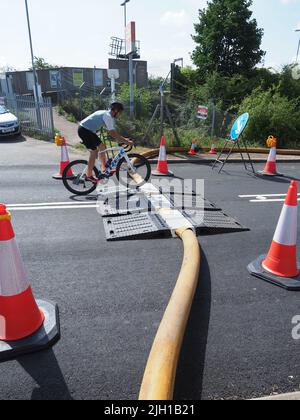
(122, 154)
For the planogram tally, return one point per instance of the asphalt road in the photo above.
(112, 295)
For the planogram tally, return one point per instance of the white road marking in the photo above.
(263, 195)
(51, 206)
(270, 201)
(266, 198)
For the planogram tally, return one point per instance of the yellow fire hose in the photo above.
(160, 374)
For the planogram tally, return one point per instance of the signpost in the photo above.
(113, 76)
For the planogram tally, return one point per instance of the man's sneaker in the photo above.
(92, 179)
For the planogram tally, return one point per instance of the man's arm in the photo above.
(120, 139)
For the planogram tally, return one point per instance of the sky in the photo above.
(77, 33)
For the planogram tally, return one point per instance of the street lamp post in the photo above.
(37, 102)
(298, 50)
(130, 62)
(124, 4)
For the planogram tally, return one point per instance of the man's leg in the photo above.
(102, 156)
(92, 161)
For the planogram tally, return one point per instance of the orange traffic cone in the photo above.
(64, 161)
(213, 147)
(280, 265)
(162, 166)
(21, 317)
(271, 165)
(193, 149)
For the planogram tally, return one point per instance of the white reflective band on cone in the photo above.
(64, 154)
(13, 278)
(163, 154)
(286, 232)
(272, 156)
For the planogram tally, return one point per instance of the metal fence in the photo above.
(36, 121)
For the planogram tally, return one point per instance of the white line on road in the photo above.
(65, 203)
(263, 195)
(266, 198)
(278, 200)
(51, 206)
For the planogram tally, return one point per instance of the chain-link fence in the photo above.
(36, 119)
(181, 120)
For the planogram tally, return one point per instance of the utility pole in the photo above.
(37, 100)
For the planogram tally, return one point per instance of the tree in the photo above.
(228, 39)
(41, 64)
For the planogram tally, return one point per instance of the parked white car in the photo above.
(9, 123)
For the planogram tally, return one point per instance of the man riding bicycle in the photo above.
(88, 129)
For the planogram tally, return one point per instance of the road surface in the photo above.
(112, 295)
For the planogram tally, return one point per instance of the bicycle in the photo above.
(125, 166)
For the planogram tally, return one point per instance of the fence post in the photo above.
(51, 119)
(213, 120)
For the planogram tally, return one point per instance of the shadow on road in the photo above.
(84, 199)
(10, 140)
(45, 370)
(189, 380)
(279, 179)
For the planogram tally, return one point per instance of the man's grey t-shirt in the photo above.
(98, 120)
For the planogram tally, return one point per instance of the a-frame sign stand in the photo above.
(235, 139)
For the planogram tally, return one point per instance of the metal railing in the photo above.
(33, 123)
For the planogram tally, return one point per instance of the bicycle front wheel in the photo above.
(74, 178)
(140, 175)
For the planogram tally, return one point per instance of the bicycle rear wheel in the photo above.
(142, 171)
(74, 178)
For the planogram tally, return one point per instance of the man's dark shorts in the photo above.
(89, 139)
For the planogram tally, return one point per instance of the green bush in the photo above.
(90, 104)
(272, 114)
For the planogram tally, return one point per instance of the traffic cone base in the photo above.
(44, 338)
(270, 174)
(280, 265)
(168, 174)
(289, 283)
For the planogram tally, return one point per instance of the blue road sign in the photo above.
(239, 126)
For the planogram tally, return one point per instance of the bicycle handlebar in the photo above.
(127, 147)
